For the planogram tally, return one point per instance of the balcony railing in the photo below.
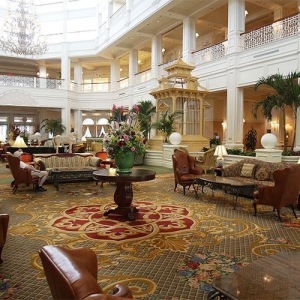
(264, 35)
(278, 30)
(211, 53)
(142, 76)
(118, 14)
(96, 87)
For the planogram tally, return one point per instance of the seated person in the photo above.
(41, 174)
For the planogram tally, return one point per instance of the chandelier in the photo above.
(21, 31)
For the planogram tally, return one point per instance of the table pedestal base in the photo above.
(123, 198)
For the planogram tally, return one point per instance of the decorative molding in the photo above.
(17, 98)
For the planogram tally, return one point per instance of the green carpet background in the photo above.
(150, 266)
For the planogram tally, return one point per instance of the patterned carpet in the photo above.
(174, 249)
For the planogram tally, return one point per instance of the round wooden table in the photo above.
(123, 195)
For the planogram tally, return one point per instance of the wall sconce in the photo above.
(246, 13)
(274, 125)
(224, 125)
(43, 75)
(197, 34)
(163, 50)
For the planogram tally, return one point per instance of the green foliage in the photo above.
(240, 152)
(204, 149)
(290, 153)
(250, 140)
(166, 123)
(286, 92)
(53, 126)
(214, 141)
(146, 110)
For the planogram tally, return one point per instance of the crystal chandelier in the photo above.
(21, 31)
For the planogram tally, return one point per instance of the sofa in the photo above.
(254, 171)
(61, 161)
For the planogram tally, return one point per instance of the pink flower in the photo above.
(113, 109)
(136, 108)
(126, 138)
(132, 149)
(121, 110)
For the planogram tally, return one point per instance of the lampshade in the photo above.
(102, 121)
(219, 152)
(19, 142)
(298, 161)
(88, 121)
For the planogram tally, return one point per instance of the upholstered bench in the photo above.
(68, 161)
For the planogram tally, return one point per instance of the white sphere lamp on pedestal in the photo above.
(269, 141)
(175, 138)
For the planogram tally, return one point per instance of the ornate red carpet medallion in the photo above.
(151, 219)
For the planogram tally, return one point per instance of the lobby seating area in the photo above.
(69, 161)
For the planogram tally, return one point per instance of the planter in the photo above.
(290, 159)
(124, 162)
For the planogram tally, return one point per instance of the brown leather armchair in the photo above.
(20, 175)
(4, 219)
(285, 192)
(184, 169)
(72, 274)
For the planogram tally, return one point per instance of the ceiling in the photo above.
(211, 20)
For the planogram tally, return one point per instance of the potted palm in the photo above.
(166, 124)
(53, 126)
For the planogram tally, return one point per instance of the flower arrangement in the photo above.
(125, 134)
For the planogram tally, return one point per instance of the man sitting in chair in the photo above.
(41, 174)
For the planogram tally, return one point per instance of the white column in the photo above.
(128, 9)
(236, 25)
(133, 65)
(78, 122)
(43, 76)
(297, 140)
(156, 55)
(109, 12)
(78, 76)
(65, 116)
(114, 74)
(188, 40)
(65, 66)
(235, 108)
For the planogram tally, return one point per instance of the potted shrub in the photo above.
(54, 126)
(166, 124)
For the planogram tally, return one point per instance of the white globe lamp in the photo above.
(269, 141)
(175, 138)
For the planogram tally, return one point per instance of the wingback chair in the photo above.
(206, 161)
(4, 219)
(20, 175)
(184, 169)
(72, 274)
(285, 191)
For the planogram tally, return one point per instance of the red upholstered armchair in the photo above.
(4, 219)
(184, 169)
(20, 175)
(72, 274)
(285, 192)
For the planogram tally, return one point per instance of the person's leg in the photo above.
(42, 178)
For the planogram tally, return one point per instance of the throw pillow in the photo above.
(262, 174)
(248, 170)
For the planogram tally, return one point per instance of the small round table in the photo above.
(123, 194)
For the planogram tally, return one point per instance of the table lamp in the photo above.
(19, 142)
(219, 152)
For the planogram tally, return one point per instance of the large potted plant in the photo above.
(146, 110)
(54, 126)
(166, 124)
(124, 141)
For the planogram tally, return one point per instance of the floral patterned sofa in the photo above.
(49, 162)
(254, 170)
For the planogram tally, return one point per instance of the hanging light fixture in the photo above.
(21, 31)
